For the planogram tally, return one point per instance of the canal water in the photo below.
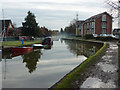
(42, 68)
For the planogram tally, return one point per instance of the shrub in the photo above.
(105, 38)
(88, 36)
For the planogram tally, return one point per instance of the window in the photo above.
(103, 17)
(104, 25)
(92, 24)
(92, 31)
(85, 26)
(103, 31)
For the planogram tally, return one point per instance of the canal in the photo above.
(42, 68)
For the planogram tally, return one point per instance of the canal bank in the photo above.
(71, 80)
(63, 55)
(104, 73)
(44, 67)
(7, 45)
(83, 40)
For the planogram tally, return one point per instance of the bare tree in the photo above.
(115, 9)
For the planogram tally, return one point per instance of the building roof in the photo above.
(96, 17)
(80, 21)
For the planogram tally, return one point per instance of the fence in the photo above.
(11, 38)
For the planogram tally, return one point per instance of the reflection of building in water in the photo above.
(31, 60)
(0, 55)
(4, 69)
(55, 38)
(6, 55)
(80, 48)
(61, 40)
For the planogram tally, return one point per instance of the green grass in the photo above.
(97, 39)
(19, 43)
(66, 82)
(87, 40)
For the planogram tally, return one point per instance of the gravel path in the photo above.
(103, 74)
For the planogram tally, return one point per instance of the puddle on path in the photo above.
(107, 67)
(110, 51)
(97, 83)
(113, 47)
(107, 57)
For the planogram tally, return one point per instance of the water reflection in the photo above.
(29, 57)
(48, 47)
(6, 55)
(46, 65)
(82, 48)
(31, 60)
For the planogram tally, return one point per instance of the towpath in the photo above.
(104, 73)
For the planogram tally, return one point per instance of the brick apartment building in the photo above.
(98, 24)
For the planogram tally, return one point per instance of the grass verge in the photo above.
(66, 82)
(19, 43)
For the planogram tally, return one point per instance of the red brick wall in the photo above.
(98, 27)
(109, 24)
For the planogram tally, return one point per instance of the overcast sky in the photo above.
(53, 14)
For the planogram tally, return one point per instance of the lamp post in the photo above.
(3, 36)
(77, 33)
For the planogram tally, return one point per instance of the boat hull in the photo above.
(22, 49)
(36, 46)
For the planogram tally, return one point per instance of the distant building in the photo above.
(8, 27)
(10, 30)
(97, 24)
(55, 32)
(44, 32)
(78, 27)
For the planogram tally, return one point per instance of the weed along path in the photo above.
(104, 73)
(98, 71)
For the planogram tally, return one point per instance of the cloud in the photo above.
(52, 13)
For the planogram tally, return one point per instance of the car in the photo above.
(110, 35)
(95, 35)
(117, 36)
(103, 35)
(114, 36)
(47, 41)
